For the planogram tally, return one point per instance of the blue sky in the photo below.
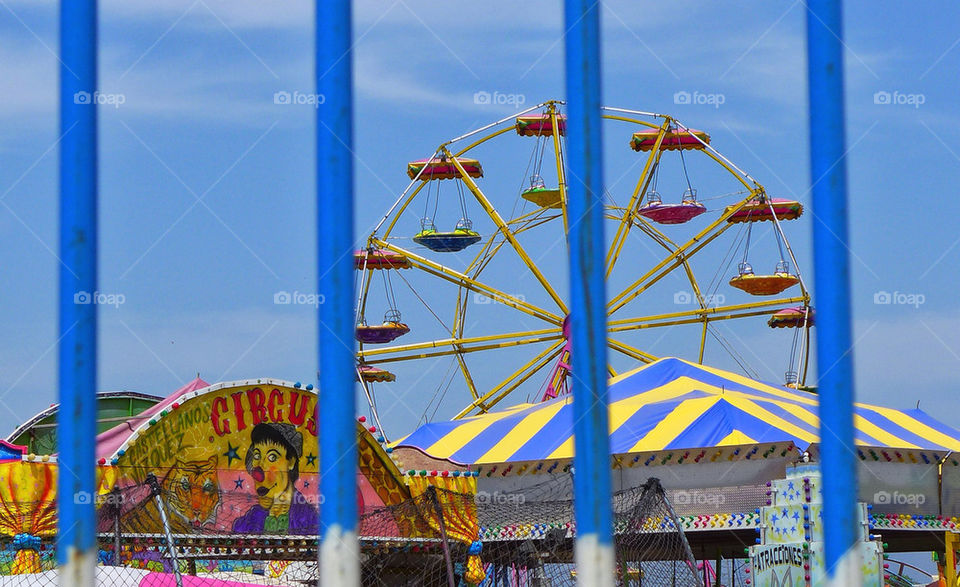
(207, 198)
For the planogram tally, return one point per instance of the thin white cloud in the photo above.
(29, 82)
(395, 88)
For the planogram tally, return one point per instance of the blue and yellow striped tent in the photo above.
(667, 405)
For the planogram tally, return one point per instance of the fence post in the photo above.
(828, 172)
(588, 316)
(77, 346)
(339, 551)
(171, 546)
(435, 501)
(117, 511)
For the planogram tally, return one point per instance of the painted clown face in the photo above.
(270, 469)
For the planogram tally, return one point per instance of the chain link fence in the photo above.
(155, 533)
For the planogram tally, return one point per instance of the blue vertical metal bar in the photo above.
(828, 171)
(76, 539)
(339, 562)
(588, 316)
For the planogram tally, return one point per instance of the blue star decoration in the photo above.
(231, 454)
(238, 483)
(796, 515)
(311, 459)
(306, 484)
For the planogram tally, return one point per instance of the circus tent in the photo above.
(668, 405)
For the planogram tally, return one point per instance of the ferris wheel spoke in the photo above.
(454, 346)
(632, 352)
(703, 340)
(467, 376)
(365, 281)
(663, 240)
(483, 256)
(530, 223)
(675, 259)
(709, 314)
(623, 229)
(493, 246)
(507, 233)
(527, 217)
(561, 171)
(513, 381)
(650, 230)
(461, 280)
(805, 353)
(610, 216)
(536, 223)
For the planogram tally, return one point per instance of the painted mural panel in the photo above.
(235, 460)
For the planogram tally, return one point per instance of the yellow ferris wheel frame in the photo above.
(628, 218)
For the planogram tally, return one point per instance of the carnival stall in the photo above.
(221, 481)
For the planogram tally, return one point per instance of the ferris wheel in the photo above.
(481, 251)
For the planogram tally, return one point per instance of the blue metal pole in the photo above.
(339, 554)
(76, 539)
(588, 316)
(828, 171)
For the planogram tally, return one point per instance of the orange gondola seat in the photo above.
(380, 259)
(764, 285)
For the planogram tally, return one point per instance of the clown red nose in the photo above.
(257, 474)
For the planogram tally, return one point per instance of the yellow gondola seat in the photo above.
(541, 195)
